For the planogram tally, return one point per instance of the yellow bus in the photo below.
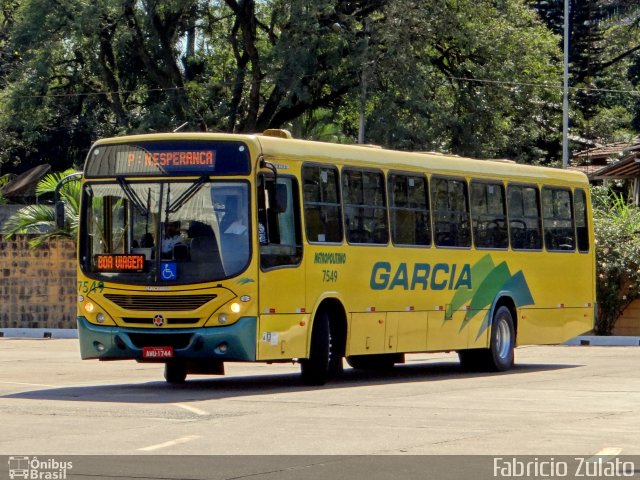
(197, 249)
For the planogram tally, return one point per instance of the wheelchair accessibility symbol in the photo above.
(169, 270)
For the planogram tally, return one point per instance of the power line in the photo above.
(503, 83)
(97, 94)
(543, 85)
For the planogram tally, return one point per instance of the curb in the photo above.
(604, 341)
(39, 332)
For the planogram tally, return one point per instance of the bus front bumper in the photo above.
(235, 342)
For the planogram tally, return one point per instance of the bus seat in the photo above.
(199, 229)
(204, 250)
(315, 226)
(181, 252)
(405, 227)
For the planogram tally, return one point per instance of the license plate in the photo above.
(157, 352)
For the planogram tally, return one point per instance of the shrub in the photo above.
(617, 231)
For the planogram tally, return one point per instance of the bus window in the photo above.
(557, 217)
(279, 216)
(365, 212)
(231, 203)
(488, 215)
(409, 210)
(450, 212)
(109, 210)
(582, 230)
(525, 225)
(322, 211)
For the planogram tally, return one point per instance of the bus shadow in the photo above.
(211, 388)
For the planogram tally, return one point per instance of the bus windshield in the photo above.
(159, 233)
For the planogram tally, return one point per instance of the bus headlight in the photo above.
(235, 307)
(222, 318)
(89, 307)
(100, 318)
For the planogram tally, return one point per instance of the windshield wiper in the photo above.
(133, 196)
(187, 195)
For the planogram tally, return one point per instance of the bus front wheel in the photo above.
(316, 369)
(175, 371)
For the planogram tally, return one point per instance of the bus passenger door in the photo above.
(283, 321)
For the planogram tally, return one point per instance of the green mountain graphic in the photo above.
(489, 279)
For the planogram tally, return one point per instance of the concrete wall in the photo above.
(7, 211)
(37, 287)
(629, 321)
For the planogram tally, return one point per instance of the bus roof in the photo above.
(368, 156)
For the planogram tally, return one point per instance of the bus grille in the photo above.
(169, 321)
(175, 340)
(159, 303)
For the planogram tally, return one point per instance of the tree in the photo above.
(469, 77)
(604, 56)
(466, 77)
(113, 67)
(41, 219)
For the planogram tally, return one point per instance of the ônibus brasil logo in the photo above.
(35, 469)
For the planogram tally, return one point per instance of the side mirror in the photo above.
(59, 210)
(281, 197)
(59, 204)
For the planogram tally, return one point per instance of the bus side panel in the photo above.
(477, 323)
(550, 326)
(561, 284)
(367, 333)
(447, 333)
(411, 330)
(282, 336)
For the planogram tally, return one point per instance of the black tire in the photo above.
(499, 357)
(317, 368)
(175, 372)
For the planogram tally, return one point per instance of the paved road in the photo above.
(557, 401)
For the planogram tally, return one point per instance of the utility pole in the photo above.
(565, 90)
(363, 81)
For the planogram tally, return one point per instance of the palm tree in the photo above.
(41, 219)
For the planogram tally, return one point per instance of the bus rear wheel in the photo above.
(175, 371)
(499, 356)
(324, 359)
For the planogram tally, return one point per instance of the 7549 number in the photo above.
(90, 287)
(329, 275)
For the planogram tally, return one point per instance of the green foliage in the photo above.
(617, 228)
(4, 179)
(461, 78)
(472, 77)
(41, 219)
(604, 58)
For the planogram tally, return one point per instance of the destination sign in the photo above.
(168, 158)
(119, 263)
(172, 159)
